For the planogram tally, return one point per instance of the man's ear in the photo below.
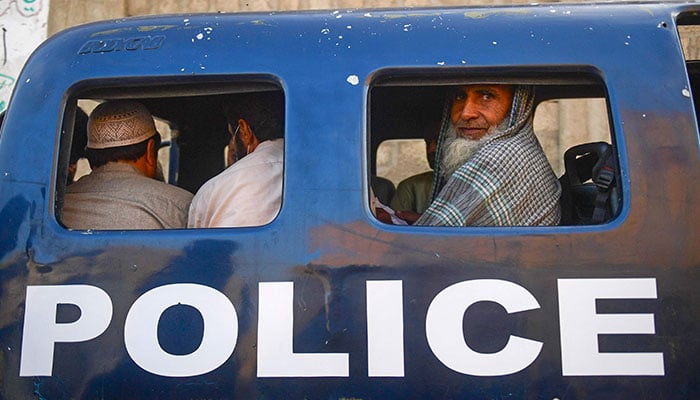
(151, 156)
(250, 141)
(244, 132)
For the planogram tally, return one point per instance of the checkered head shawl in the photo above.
(507, 182)
(119, 123)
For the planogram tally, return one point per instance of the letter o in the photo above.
(218, 339)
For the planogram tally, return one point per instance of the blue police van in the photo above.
(326, 301)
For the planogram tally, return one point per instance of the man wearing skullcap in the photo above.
(491, 170)
(249, 191)
(121, 192)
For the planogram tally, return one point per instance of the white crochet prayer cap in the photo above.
(119, 123)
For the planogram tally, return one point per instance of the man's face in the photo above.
(479, 109)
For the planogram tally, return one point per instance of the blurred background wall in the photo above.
(66, 13)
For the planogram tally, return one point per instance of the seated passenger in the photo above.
(383, 188)
(413, 194)
(249, 192)
(120, 192)
(79, 140)
(491, 168)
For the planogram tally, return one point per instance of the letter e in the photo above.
(580, 327)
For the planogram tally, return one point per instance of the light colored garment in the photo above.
(413, 193)
(507, 182)
(376, 203)
(118, 196)
(248, 193)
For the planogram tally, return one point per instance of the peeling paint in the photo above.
(410, 15)
(260, 22)
(647, 10)
(155, 28)
(486, 14)
(143, 28)
(110, 32)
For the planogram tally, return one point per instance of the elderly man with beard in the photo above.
(491, 169)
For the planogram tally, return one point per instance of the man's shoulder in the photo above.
(267, 151)
(153, 187)
(515, 155)
(271, 152)
(521, 146)
(170, 190)
(418, 179)
(224, 179)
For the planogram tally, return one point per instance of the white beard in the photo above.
(458, 150)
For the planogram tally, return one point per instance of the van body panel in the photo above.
(325, 242)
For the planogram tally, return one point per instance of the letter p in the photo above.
(41, 331)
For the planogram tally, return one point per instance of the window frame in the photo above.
(150, 90)
(552, 82)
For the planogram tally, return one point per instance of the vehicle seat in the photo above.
(589, 185)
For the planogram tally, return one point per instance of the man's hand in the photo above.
(408, 216)
(383, 215)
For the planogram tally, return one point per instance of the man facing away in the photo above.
(248, 192)
(492, 171)
(414, 193)
(121, 192)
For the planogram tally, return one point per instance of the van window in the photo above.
(195, 123)
(568, 112)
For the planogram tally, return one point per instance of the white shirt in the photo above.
(248, 193)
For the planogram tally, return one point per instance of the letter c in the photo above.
(445, 336)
